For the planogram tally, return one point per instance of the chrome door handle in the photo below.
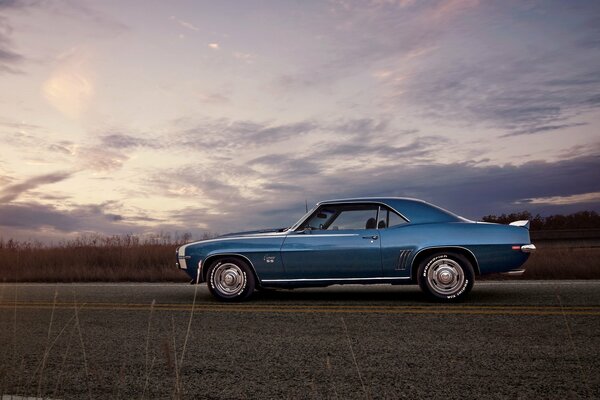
(373, 237)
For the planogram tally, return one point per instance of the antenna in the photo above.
(306, 204)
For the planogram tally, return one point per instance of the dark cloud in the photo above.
(101, 158)
(363, 35)
(12, 192)
(10, 59)
(541, 129)
(15, 4)
(62, 147)
(226, 204)
(282, 166)
(226, 134)
(47, 222)
(380, 149)
(469, 63)
(469, 189)
(474, 191)
(123, 141)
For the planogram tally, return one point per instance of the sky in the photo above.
(140, 117)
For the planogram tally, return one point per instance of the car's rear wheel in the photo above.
(230, 279)
(446, 276)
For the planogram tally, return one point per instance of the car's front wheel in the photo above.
(446, 276)
(230, 279)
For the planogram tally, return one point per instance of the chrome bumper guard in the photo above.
(528, 248)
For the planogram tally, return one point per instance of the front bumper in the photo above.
(181, 258)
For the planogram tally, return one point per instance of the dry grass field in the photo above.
(92, 258)
(558, 262)
(129, 258)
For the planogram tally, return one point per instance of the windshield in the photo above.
(297, 224)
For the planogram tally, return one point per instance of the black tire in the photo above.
(446, 276)
(230, 279)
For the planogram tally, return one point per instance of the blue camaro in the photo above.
(365, 240)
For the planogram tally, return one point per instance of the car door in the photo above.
(338, 241)
(397, 243)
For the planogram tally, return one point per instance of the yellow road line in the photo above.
(427, 310)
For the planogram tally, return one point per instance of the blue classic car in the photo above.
(360, 241)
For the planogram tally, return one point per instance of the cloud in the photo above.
(185, 24)
(99, 158)
(10, 59)
(225, 134)
(362, 36)
(213, 98)
(214, 46)
(41, 219)
(124, 141)
(463, 62)
(12, 192)
(564, 200)
(522, 86)
(269, 190)
(449, 8)
(245, 196)
(542, 129)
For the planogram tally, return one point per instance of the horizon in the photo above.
(220, 117)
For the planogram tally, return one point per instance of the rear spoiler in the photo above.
(523, 223)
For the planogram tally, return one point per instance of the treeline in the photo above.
(578, 220)
(98, 240)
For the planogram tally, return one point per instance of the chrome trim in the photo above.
(476, 266)
(319, 204)
(181, 258)
(528, 248)
(199, 272)
(279, 235)
(228, 279)
(362, 202)
(335, 279)
(403, 257)
(445, 276)
(321, 235)
(514, 272)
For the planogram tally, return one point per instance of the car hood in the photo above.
(254, 232)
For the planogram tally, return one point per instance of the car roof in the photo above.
(415, 210)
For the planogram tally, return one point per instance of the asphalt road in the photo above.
(509, 340)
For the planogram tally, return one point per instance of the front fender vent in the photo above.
(403, 259)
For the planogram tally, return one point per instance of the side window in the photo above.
(355, 219)
(389, 219)
(343, 216)
(394, 219)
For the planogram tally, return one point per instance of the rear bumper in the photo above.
(528, 248)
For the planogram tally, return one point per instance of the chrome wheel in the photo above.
(445, 276)
(229, 279)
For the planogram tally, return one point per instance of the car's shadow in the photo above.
(341, 295)
(353, 295)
